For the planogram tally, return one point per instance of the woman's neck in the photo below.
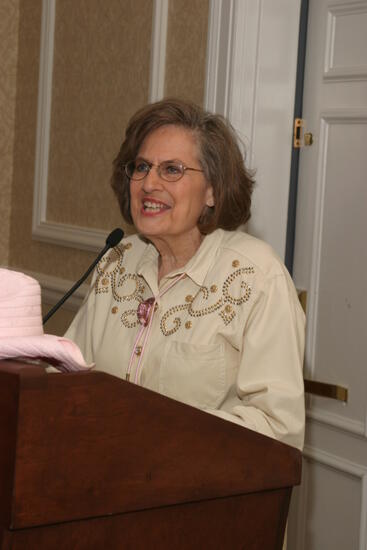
(174, 254)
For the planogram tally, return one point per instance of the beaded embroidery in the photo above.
(227, 313)
(130, 319)
(129, 287)
(176, 321)
(108, 268)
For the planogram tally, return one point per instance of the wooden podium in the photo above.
(88, 461)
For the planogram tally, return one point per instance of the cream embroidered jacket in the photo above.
(228, 337)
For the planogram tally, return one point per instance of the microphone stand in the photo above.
(112, 240)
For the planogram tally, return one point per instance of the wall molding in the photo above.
(233, 64)
(65, 234)
(243, 94)
(39, 231)
(217, 81)
(54, 288)
(349, 425)
(345, 116)
(158, 50)
(347, 74)
(334, 461)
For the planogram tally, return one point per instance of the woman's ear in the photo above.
(209, 197)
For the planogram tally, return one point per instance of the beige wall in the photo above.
(186, 49)
(100, 77)
(9, 19)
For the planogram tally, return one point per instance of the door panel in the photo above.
(341, 305)
(330, 261)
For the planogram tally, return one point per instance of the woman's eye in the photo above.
(141, 166)
(172, 169)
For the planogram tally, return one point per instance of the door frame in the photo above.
(298, 111)
(240, 60)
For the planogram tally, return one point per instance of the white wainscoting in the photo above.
(318, 456)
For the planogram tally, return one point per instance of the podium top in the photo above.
(89, 444)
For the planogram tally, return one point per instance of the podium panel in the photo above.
(92, 461)
(233, 523)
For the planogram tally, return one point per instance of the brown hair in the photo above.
(219, 155)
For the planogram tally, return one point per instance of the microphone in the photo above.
(112, 240)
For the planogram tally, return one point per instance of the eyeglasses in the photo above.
(168, 170)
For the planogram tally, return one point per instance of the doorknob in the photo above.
(323, 389)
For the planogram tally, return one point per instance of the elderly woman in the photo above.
(191, 306)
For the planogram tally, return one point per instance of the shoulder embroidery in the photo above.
(108, 268)
(125, 287)
(244, 286)
(225, 303)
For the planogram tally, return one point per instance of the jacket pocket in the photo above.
(193, 374)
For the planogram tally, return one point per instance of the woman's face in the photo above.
(169, 210)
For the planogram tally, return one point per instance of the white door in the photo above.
(329, 511)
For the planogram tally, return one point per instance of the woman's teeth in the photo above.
(153, 206)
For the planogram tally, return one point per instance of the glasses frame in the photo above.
(158, 167)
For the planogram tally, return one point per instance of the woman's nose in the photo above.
(152, 180)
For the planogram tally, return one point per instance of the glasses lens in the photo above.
(129, 168)
(137, 170)
(171, 171)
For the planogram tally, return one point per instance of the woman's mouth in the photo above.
(153, 207)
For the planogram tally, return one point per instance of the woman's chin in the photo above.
(152, 221)
(150, 229)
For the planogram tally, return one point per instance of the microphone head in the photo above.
(114, 237)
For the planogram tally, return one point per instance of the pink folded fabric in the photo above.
(21, 329)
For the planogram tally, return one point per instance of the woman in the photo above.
(192, 307)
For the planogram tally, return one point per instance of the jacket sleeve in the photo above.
(80, 330)
(269, 385)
